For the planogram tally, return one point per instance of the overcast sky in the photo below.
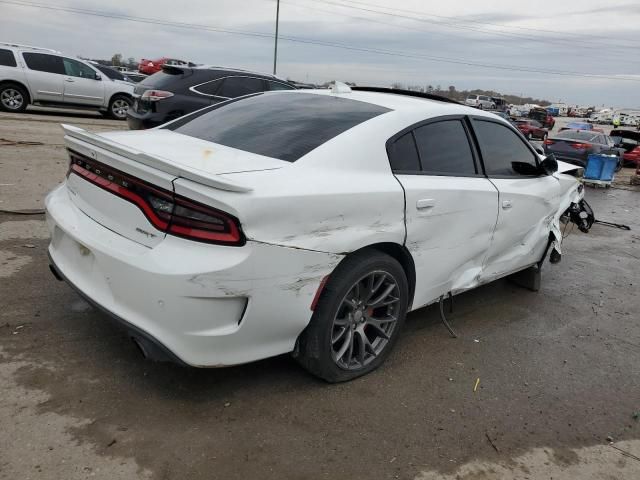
(582, 36)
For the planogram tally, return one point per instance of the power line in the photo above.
(474, 29)
(609, 56)
(478, 22)
(299, 40)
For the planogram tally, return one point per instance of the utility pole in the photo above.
(275, 50)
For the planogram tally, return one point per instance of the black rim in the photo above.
(365, 320)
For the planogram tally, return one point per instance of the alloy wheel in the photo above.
(11, 98)
(365, 320)
(119, 108)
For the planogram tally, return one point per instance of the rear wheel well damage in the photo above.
(399, 253)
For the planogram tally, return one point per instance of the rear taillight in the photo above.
(165, 210)
(548, 142)
(200, 222)
(155, 95)
(581, 146)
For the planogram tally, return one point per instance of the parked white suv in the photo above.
(480, 101)
(40, 76)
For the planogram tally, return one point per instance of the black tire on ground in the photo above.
(315, 349)
(117, 108)
(529, 136)
(13, 98)
(544, 137)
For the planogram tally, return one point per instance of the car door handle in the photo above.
(69, 80)
(506, 204)
(425, 203)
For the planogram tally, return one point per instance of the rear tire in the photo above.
(348, 335)
(13, 98)
(118, 107)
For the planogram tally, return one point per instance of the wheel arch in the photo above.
(402, 255)
(119, 94)
(18, 84)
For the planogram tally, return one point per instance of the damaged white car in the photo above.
(305, 221)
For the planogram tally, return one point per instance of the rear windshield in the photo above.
(576, 135)
(162, 79)
(278, 125)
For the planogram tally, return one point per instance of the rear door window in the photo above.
(43, 62)
(73, 68)
(444, 148)
(209, 88)
(7, 58)
(233, 87)
(285, 127)
(403, 155)
(504, 153)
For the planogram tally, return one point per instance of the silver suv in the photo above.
(40, 76)
(483, 102)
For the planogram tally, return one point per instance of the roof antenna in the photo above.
(339, 87)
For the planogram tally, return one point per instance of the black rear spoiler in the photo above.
(409, 93)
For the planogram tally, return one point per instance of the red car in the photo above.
(149, 67)
(543, 117)
(630, 142)
(532, 129)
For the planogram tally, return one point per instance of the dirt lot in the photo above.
(558, 372)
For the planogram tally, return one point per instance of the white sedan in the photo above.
(305, 221)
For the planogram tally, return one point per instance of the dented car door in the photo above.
(451, 208)
(528, 199)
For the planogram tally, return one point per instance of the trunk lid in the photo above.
(564, 146)
(149, 161)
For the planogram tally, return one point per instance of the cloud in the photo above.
(559, 49)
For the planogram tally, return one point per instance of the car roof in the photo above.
(20, 46)
(399, 102)
(216, 69)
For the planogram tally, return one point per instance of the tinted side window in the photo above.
(111, 73)
(444, 148)
(209, 88)
(503, 151)
(278, 86)
(403, 154)
(7, 59)
(44, 63)
(73, 68)
(233, 87)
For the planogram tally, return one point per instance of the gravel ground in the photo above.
(558, 372)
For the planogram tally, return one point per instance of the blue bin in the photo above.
(601, 167)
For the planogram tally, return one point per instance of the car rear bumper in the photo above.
(142, 121)
(194, 303)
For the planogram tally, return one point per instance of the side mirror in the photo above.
(98, 76)
(549, 165)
